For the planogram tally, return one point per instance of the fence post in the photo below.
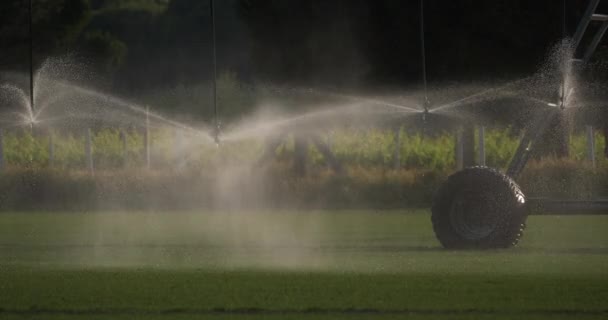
(459, 149)
(147, 138)
(1, 149)
(482, 146)
(397, 152)
(591, 145)
(123, 141)
(51, 149)
(177, 140)
(88, 149)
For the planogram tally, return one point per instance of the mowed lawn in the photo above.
(293, 265)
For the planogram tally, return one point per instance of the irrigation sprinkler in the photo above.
(480, 207)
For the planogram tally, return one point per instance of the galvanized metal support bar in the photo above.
(596, 40)
(582, 26)
(481, 146)
(589, 16)
(526, 146)
(459, 149)
(542, 206)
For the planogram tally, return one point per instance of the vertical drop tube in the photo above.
(216, 133)
(31, 22)
(423, 56)
(481, 146)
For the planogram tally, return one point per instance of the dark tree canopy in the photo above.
(146, 44)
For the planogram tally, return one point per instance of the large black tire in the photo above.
(479, 208)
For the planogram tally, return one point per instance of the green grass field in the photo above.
(293, 265)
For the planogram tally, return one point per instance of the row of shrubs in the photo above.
(369, 147)
(273, 186)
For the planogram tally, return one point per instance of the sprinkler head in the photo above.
(216, 134)
(426, 109)
(425, 113)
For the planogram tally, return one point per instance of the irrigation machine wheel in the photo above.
(479, 208)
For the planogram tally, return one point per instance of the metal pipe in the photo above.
(578, 36)
(596, 40)
(541, 206)
(459, 149)
(528, 142)
(216, 133)
(482, 146)
(423, 56)
(31, 22)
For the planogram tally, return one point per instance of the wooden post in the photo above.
(1, 149)
(606, 140)
(51, 149)
(397, 151)
(176, 145)
(481, 149)
(458, 149)
(591, 145)
(147, 138)
(88, 149)
(123, 141)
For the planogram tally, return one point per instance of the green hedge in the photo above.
(370, 148)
